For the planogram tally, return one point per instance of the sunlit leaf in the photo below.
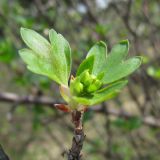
(121, 70)
(116, 66)
(37, 64)
(35, 42)
(117, 54)
(87, 64)
(52, 60)
(61, 52)
(99, 51)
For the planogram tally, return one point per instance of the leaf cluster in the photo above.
(99, 77)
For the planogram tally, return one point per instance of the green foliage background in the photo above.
(118, 131)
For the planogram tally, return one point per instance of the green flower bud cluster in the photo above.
(76, 86)
(84, 84)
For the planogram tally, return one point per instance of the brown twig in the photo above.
(29, 99)
(78, 138)
(48, 101)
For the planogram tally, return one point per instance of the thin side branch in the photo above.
(30, 99)
(48, 101)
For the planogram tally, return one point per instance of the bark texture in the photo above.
(77, 142)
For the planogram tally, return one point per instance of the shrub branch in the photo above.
(77, 142)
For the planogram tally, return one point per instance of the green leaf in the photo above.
(104, 94)
(99, 51)
(38, 64)
(52, 60)
(121, 70)
(62, 52)
(117, 54)
(87, 64)
(35, 42)
(115, 67)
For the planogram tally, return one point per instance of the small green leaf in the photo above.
(117, 55)
(116, 67)
(37, 64)
(104, 94)
(35, 42)
(52, 60)
(87, 64)
(99, 51)
(121, 70)
(61, 51)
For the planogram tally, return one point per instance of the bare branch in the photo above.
(48, 101)
(78, 138)
(30, 99)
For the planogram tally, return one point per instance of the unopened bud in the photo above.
(91, 88)
(86, 78)
(76, 87)
(79, 87)
(94, 86)
(98, 84)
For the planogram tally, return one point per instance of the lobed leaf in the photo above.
(121, 70)
(61, 50)
(52, 60)
(87, 64)
(35, 42)
(117, 55)
(37, 64)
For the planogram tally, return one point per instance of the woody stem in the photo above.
(78, 138)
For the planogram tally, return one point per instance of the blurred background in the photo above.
(126, 128)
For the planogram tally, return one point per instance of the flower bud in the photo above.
(94, 86)
(79, 87)
(98, 84)
(86, 78)
(91, 88)
(76, 87)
